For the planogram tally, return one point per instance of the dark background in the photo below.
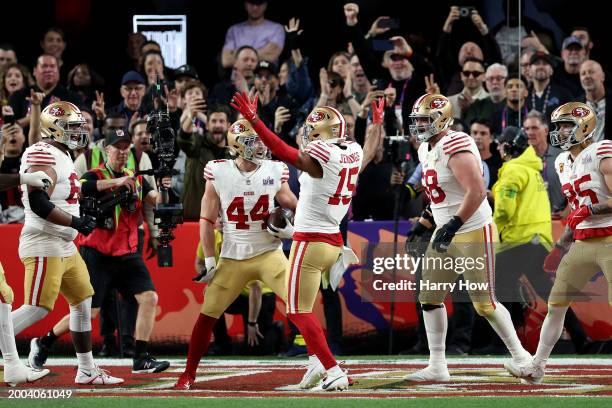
(97, 30)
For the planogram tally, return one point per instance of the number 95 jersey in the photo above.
(444, 191)
(246, 201)
(583, 184)
(40, 237)
(324, 202)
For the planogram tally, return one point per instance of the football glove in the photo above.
(283, 233)
(37, 179)
(553, 259)
(444, 236)
(578, 215)
(208, 272)
(85, 224)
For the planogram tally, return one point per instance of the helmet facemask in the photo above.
(567, 138)
(424, 132)
(254, 149)
(74, 135)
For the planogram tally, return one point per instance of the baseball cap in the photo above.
(114, 136)
(572, 40)
(132, 76)
(540, 56)
(261, 65)
(186, 71)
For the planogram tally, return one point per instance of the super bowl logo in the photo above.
(437, 103)
(316, 116)
(238, 128)
(56, 111)
(580, 112)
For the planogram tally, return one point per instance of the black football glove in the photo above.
(85, 224)
(445, 234)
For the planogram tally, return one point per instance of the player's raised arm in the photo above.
(375, 135)
(280, 149)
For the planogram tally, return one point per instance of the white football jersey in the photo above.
(246, 201)
(325, 201)
(444, 191)
(582, 181)
(40, 237)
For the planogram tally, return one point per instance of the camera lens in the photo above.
(464, 11)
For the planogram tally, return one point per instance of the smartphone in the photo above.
(8, 119)
(379, 84)
(392, 23)
(382, 45)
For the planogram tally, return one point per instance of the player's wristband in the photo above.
(210, 262)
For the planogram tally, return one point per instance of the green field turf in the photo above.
(178, 402)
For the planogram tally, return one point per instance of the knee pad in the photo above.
(426, 307)
(484, 309)
(80, 316)
(26, 316)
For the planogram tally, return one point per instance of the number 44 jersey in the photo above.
(325, 201)
(40, 237)
(583, 184)
(444, 191)
(246, 201)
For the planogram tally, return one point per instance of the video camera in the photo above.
(167, 216)
(103, 208)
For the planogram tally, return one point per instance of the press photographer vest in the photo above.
(123, 239)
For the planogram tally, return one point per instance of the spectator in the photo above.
(592, 80)
(200, 148)
(544, 95)
(267, 38)
(472, 76)
(183, 74)
(83, 80)
(361, 84)
(148, 45)
(448, 69)
(583, 34)
(14, 77)
(495, 81)
(340, 63)
(89, 127)
(299, 85)
(46, 73)
(536, 128)
(480, 130)
(152, 67)
(7, 55)
(568, 76)
(242, 77)
(337, 93)
(132, 90)
(514, 108)
(54, 43)
(11, 147)
(134, 48)
(526, 64)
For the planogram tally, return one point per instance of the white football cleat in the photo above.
(527, 371)
(338, 382)
(315, 372)
(21, 374)
(437, 373)
(96, 376)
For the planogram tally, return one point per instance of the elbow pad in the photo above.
(40, 203)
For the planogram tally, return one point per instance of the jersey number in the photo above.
(259, 212)
(74, 189)
(434, 191)
(350, 186)
(573, 192)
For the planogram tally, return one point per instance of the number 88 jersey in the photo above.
(444, 191)
(246, 201)
(583, 184)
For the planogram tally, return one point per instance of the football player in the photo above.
(52, 262)
(243, 191)
(330, 165)
(453, 180)
(585, 172)
(15, 372)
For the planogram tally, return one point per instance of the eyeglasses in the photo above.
(499, 78)
(474, 74)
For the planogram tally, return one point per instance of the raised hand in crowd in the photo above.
(351, 11)
(400, 46)
(479, 22)
(375, 30)
(465, 100)
(292, 38)
(431, 86)
(370, 96)
(35, 98)
(281, 116)
(453, 16)
(533, 41)
(98, 106)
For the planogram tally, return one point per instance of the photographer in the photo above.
(111, 251)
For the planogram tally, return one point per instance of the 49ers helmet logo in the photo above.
(437, 103)
(57, 111)
(238, 128)
(580, 112)
(316, 116)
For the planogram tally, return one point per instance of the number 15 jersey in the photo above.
(444, 191)
(325, 201)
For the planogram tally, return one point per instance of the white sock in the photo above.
(7, 336)
(501, 322)
(436, 324)
(551, 331)
(335, 371)
(85, 361)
